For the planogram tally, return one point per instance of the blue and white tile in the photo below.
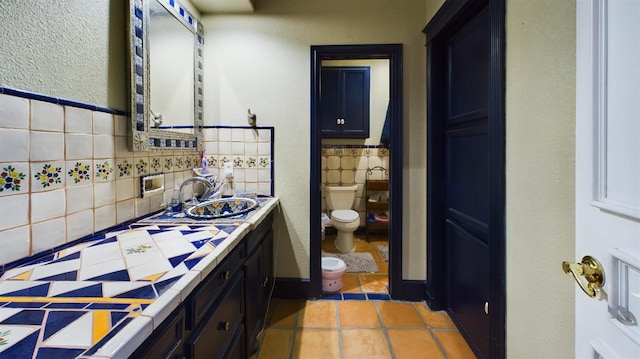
(101, 253)
(160, 309)
(11, 286)
(101, 269)
(112, 289)
(10, 335)
(142, 271)
(186, 284)
(56, 268)
(127, 340)
(61, 287)
(79, 333)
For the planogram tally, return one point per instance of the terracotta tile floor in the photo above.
(359, 329)
(364, 282)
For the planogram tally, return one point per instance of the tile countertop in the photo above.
(102, 298)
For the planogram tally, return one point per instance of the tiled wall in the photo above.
(66, 171)
(348, 164)
(249, 149)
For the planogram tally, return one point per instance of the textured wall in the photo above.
(262, 61)
(73, 49)
(540, 177)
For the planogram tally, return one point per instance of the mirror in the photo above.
(166, 77)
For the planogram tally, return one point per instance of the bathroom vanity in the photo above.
(166, 286)
(224, 313)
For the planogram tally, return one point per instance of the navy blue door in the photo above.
(467, 177)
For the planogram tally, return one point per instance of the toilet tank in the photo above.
(340, 197)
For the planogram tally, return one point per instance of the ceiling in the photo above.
(223, 6)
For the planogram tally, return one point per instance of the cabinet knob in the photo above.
(265, 282)
(226, 275)
(225, 326)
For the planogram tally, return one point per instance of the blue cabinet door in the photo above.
(344, 102)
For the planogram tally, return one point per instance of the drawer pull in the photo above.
(225, 326)
(226, 275)
(265, 282)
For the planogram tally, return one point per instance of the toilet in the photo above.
(332, 271)
(344, 219)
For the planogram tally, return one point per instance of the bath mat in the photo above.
(384, 250)
(356, 262)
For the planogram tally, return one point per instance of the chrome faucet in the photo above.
(211, 190)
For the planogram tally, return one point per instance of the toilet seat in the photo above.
(345, 215)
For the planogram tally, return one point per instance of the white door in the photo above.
(608, 175)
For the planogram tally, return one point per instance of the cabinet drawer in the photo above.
(210, 289)
(378, 206)
(220, 326)
(377, 185)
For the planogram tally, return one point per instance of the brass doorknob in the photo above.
(591, 270)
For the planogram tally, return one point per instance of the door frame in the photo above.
(447, 21)
(392, 52)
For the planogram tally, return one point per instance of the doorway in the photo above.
(392, 53)
(465, 170)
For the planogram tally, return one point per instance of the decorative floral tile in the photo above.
(212, 161)
(367, 152)
(354, 152)
(168, 163)
(124, 168)
(142, 167)
(104, 169)
(12, 179)
(383, 152)
(179, 163)
(224, 160)
(138, 249)
(238, 162)
(251, 162)
(79, 172)
(264, 162)
(338, 151)
(47, 175)
(189, 162)
(155, 165)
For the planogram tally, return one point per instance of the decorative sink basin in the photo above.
(220, 208)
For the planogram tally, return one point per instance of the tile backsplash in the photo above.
(66, 171)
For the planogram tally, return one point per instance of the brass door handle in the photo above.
(591, 270)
